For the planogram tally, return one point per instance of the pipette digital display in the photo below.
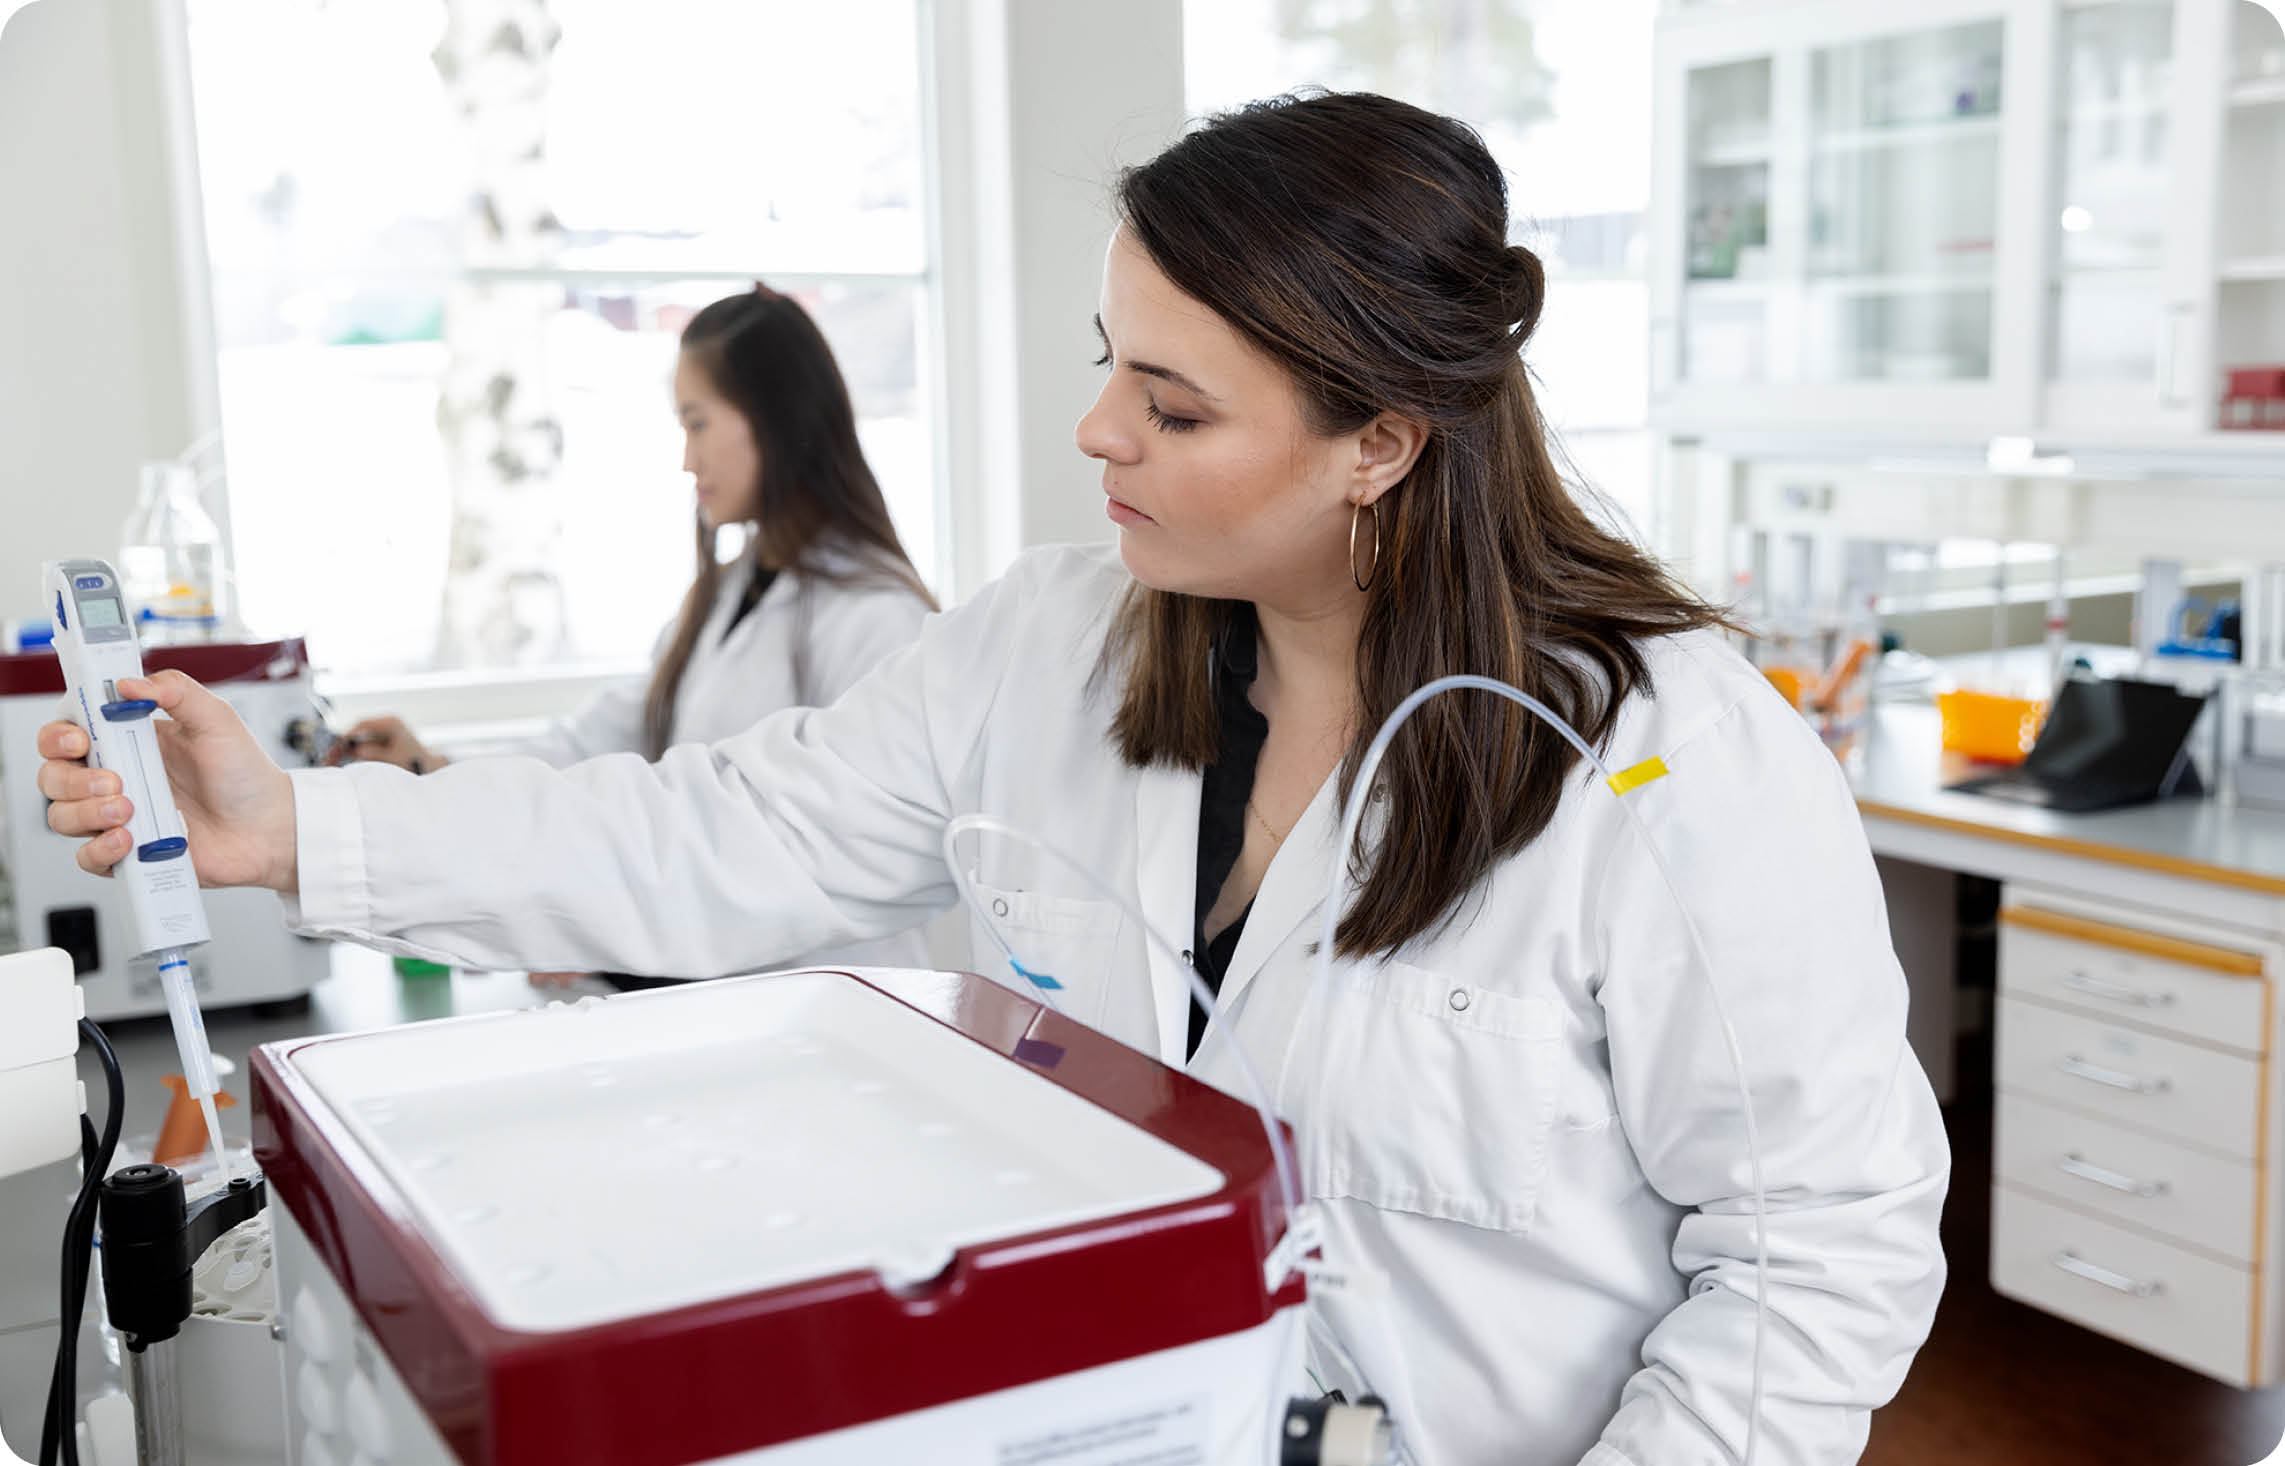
(96, 644)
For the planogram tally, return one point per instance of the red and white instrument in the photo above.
(816, 1219)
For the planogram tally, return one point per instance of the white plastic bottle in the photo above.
(171, 563)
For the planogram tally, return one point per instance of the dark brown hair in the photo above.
(1362, 244)
(822, 515)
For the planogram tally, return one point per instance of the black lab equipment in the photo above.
(2109, 741)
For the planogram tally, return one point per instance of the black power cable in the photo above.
(52, 1426)
(59, 1435)
(88, 1144)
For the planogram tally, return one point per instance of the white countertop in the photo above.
(1902, 771)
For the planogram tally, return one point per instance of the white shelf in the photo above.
(1728, 289)
(1845, 285)
(2268, 91)
(1732, 155)
(1909, 135)
(2253, 269)
(2242, 450)
(2087, 112)
(1900, 284)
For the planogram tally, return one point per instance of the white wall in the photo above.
(1039, 104)
(96, 330)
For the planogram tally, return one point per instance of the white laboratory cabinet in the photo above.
(2135, 1187)
(1967, 218)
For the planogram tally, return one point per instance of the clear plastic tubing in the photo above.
(1353, 815)
(1288, 1172)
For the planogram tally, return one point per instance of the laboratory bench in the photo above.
(2135, 1118)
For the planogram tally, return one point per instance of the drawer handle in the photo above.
(2079, 1267)
(2095, 987)
(2073, 1165)
(2079, 1068)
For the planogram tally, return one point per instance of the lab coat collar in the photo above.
(1166, 862)
(730, 589)
(1166, 865)
(1292, 890)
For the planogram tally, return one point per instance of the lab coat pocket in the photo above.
(1066, 946)
(1437, 1097)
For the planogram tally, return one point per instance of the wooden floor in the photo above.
(2000, 1384)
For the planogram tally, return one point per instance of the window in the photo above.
(453, 243)
(1560, 90)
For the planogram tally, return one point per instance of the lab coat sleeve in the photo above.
(1757, 825)
(610, 721)
(815, 828)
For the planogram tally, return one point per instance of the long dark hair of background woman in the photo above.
(822, 514)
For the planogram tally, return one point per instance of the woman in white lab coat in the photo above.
(1512, 1103)
(821, 593)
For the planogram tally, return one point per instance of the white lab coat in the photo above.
(732, 682)
(1526, 1120)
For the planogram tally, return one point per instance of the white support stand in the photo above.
(40, 1100)
(40, 1104)
(2154, 604)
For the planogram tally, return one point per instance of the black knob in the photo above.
(146, 1277)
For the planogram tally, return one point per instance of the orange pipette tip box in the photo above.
(1987, 726)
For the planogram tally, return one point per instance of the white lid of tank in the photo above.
(582, 1164)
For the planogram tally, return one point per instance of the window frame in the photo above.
(468, 696)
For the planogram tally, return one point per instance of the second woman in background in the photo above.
(822, 592)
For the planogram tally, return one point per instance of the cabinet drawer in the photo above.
(2163, 1084)
(2152, 1183)
(2159, 1298)
(2194, 989)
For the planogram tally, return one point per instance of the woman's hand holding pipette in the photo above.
(236, 805)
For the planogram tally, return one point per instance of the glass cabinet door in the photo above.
(1725, 309)
(1903, 207)
(1848, 237)
(2112, 171)
(2250, 247)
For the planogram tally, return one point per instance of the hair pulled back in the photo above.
(1362, 244)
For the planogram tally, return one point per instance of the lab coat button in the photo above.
(1186, 955)
(1459, 1000)
(999, 906)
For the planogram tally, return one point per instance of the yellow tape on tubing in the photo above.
(1626, 781)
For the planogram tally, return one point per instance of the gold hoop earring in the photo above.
(1365, 581)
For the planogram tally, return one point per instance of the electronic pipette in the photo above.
(96, 643)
